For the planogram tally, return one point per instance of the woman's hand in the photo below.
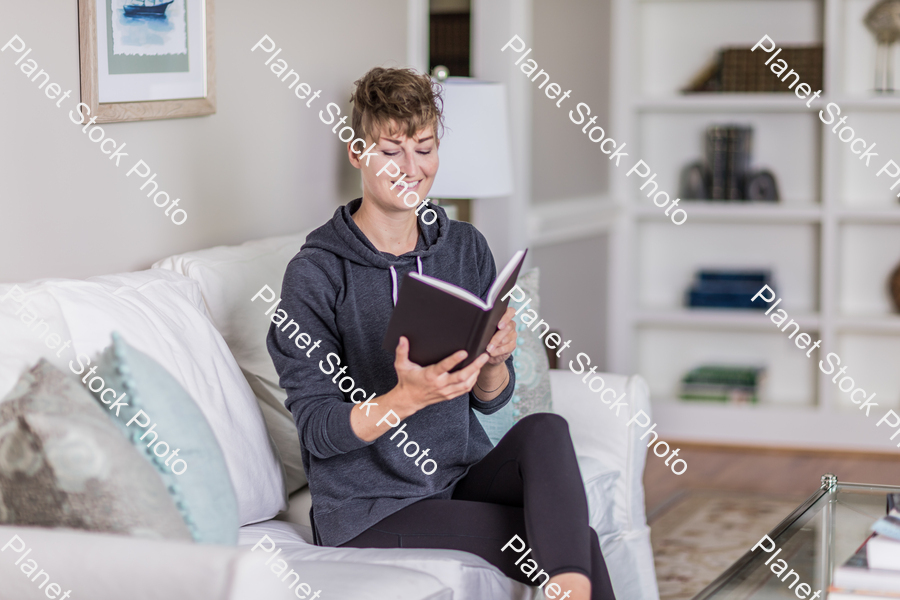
(504, 340)
(418, 387)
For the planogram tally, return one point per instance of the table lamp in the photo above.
(475, 155)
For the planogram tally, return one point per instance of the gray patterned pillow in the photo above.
(63, 463)
(532, 392)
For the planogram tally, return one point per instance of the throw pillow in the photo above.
(64, 464)
(532, 390)
(167, 427)
(228, 277)
(162, 314)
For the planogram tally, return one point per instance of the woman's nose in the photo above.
(410, 166)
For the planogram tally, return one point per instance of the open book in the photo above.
(439, 318)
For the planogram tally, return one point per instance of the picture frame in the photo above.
(147, 59)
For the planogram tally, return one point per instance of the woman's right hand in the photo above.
(418, 386)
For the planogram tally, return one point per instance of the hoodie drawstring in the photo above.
(394, 278)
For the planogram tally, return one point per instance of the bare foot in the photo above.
(577, 585)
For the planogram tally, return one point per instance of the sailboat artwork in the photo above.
(147, 8)
(149, 28)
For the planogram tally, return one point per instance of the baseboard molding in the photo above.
(783, 450)
(789, 428)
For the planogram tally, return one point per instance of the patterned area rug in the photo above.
(702, 533)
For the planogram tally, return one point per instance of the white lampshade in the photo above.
(475, 150)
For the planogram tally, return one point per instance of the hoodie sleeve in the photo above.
(302, 360)
(487, 271)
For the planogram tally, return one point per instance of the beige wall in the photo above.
(573, 295)
(571, 43)
(263, 165)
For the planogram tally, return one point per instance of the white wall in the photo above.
(263, 165)
(571, 43)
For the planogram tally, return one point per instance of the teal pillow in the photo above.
(196, 477)
(497, 424)
(532, 391)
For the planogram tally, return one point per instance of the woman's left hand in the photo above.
(504, 341)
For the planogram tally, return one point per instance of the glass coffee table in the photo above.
(820, 535)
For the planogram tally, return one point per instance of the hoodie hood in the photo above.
(342, 237)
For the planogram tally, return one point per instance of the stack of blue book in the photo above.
(728, 289)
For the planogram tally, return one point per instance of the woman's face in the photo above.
(415, 157)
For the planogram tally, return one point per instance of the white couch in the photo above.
(220, 333)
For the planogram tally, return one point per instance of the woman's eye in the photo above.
(390, 153)
(424, 151)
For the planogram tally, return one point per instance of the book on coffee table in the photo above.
(857, 575)
(439, 318)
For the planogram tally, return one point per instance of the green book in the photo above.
(715, 383)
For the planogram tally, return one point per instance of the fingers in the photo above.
(451, 361)
(474, 368)
(502, 338)
(401, 353)
(507, 317)
(460, 377)
(470, 383)
(501, 353)
(463, 387)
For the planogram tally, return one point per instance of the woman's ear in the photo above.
(352, 154)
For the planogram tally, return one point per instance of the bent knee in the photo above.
(543, 424)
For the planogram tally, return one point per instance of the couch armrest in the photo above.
(602, 440)
(109, 567)
(606, 447)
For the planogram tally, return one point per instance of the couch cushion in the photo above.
(63, 463)
(168, 428)
(229, 276)
(467, 575)
(162, 314)
(94, 566)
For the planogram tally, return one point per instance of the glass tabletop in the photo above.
(821, 534)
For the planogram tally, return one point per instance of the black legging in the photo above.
(530, 486)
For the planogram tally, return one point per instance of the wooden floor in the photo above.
(768, 471)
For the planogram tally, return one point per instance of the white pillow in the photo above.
(229, 276)
(161, 314)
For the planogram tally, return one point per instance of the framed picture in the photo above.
(147, 59)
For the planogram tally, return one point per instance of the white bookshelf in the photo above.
(831, 242)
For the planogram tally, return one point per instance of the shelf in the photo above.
(755, 212)
(873, 103)
(761, 102)
(831, 244)
(767, 212)
(887, 216)
(887, 324)
(707, 102)
(719, 319)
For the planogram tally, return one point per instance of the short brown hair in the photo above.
(410, 99)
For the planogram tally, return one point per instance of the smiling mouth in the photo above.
(412, 185)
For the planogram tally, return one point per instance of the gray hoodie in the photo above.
(341, 290)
